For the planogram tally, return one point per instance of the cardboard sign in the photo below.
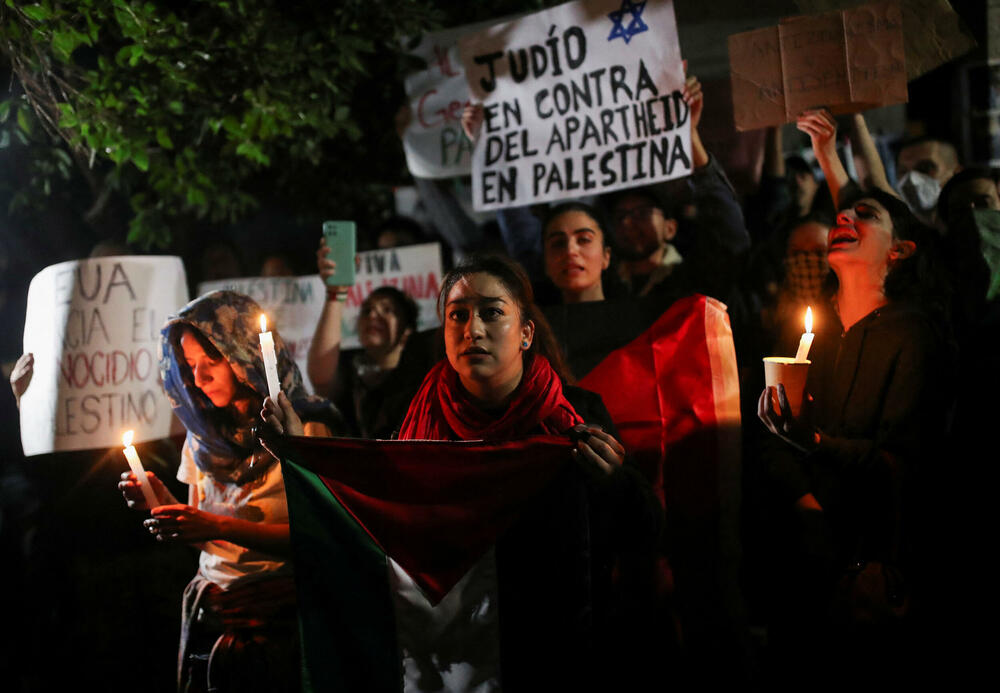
(580, 99)
(293, 304)
(433, 142)
(94, 328)
(933, 33)
(846, 60)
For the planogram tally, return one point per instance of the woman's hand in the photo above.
(822, 130)
(782, 423)
(327, 268)
(472, 120)
(184, 523)
(694, 98)
(599, 448)
(134, 499)
(280, 418)
(20, 377)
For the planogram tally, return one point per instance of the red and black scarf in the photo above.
(443, 410)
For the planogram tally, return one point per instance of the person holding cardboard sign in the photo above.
(236, 513)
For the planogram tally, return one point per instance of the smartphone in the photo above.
(340, 238)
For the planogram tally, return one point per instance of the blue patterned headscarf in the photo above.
(230, 322)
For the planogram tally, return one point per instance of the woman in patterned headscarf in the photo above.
(238, 625)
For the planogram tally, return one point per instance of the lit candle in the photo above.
(807, 339)
(140, 474)
(270, 360)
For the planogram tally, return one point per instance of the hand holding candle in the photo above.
(135, 464)
(807, 339)
(270, 359)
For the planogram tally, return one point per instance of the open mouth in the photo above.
(842, 237)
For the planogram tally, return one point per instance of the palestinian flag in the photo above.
(400, 545)
(670, 382)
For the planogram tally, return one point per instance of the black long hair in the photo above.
(513, 277)
(611, 284)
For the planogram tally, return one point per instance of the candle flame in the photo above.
(809, 319)
(127, 438)
(263, 322)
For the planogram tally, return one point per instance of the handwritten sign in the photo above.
(433, 141)
(94, 328)
(846, 60)
(579, 99)
(933, 33)
(294, 304)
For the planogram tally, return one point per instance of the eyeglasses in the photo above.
(639, 213)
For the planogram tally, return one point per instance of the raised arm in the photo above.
(865, 147)
(324, 351)
(822, 131)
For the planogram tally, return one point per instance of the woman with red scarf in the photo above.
(548, 620)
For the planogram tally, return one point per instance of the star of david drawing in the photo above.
(636, 26)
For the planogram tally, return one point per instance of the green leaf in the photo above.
(24, 121)
(65, 42)
(141, 159)
(4, 110)
(36, 12)
(176, 107)
(253, 152)
(163, 139)
(67, 117)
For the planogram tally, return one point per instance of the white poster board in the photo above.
(293, 304)
(433, 141)
(580, 99)
(94, 328)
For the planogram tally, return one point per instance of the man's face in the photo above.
(933, 159)
(640, 228)
(978, 193)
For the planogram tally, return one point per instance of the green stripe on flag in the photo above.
(345, 610)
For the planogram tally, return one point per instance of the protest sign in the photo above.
(933, 33)
(433, 141)
(845, 60)
(94, 328)
(579, 99)
(293, 304)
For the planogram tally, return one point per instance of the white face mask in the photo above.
(920, 192)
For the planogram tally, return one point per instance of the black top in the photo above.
(882, 398)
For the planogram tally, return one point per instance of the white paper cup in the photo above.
(790, 373)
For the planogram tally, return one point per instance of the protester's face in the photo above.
(575, 254)
(978, 193)
(213, 376)
(808, 238)
(484, 335)
(640, 227)
(933, 159)
(862, 235)
(394, 239)
(379, 326)
(276, 266)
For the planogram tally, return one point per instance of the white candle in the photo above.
(135, 464)
(807, 339)
(270, 360)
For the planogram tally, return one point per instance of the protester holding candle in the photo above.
(854, 467)
(239, 627)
